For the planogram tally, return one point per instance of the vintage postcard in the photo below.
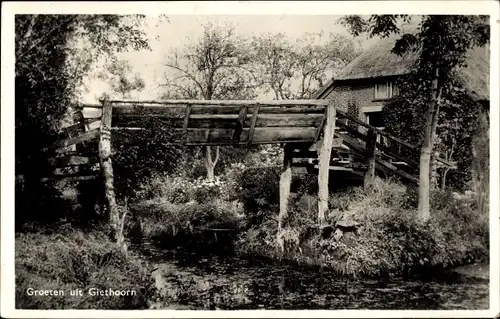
(250, 159)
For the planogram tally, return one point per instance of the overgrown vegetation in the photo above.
(382, 235)
(70, 259)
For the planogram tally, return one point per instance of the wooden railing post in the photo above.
(371, 143)
(285, 183)
(324, 162)
(107, 171)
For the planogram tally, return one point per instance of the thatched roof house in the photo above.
(376, 68)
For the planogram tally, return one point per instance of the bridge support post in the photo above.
(107, 172)
(285, 184)
(324, 162)
(371, 143)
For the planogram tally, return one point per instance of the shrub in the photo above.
(182, 224)
(258, 188)
(71, 259)
(171, 189)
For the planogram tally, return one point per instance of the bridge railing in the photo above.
(222, 122)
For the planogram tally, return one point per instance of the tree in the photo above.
(218, 66)
(122, 81)
(442, 43)
(295, 70)
(50, 65)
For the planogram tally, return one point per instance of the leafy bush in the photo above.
(71, 259)
(258, 188)
(185, 224)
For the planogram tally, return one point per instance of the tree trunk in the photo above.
(443, 178)
(210, 163)
(426, 150)
(285, 182)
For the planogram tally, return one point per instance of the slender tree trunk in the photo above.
(443, 178)
(426, 150)
(210, 163)
(285, 183)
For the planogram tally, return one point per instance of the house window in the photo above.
(386, 90)
(376, 119)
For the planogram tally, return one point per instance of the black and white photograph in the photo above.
(182, 156)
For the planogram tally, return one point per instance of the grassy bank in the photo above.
(376, 234)
(67, 259)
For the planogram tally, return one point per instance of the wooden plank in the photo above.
(227, 102)
(70, 160)
(69, 178)
(197, 136)
(74, 140)
(227, 121)
(242, 116)
(252, 124)
(77, 127)
(381, 164)
(324, 162)
(285, 184)
(92, 113)
(179, 111)
(320, 127)
(295, 120)
(91, 106)
(84, 169)
(289, 134)
(369, 178)
(400, 157)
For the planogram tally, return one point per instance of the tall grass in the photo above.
(71, 259)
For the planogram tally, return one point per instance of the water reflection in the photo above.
(193, 282)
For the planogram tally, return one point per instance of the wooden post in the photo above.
(371, 142)
(253, 121)
(285, 183)
(324, 162)
(241, 123)
(186, 123)
(107, 171)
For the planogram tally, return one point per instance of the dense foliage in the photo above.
(50, 65)
(457, 124)
(71, 259)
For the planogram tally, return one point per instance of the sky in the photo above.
(181, 30)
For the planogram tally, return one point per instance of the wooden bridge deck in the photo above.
(222, 122)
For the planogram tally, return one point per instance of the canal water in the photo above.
(189, 281)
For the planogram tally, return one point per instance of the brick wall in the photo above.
(361, 92)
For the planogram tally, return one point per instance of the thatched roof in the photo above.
(378, 61)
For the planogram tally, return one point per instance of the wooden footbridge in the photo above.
(313, 133)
